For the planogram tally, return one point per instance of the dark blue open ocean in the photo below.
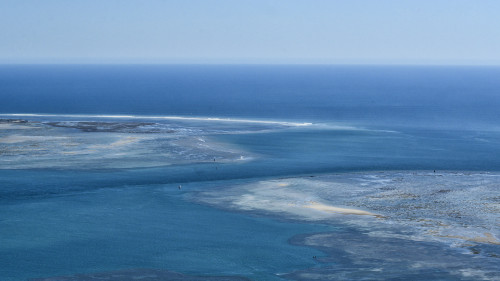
(259, 172)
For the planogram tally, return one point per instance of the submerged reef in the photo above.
(438, 226)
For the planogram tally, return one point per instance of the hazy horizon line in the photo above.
(146, 63)
(248, 61)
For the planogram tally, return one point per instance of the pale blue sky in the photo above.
(250, 31)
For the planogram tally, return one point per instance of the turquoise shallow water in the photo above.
(60, 220)
(83, 193)
(143, 227)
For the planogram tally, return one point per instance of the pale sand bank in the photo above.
(332, 209)
(46, 147)
(282, 198)
(487, 238)
(450, 205)
(14, 126)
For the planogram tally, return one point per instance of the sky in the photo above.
(251, 31)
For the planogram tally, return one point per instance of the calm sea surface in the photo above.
(219, 171)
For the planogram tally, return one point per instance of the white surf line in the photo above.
(213, 119)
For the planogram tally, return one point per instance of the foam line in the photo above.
(180, 118)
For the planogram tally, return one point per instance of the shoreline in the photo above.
(321, 198)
